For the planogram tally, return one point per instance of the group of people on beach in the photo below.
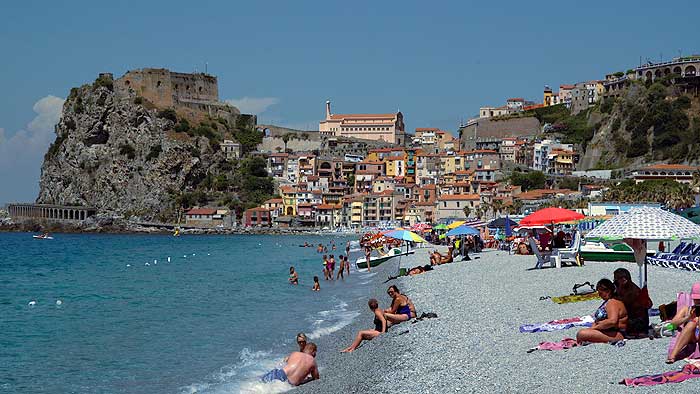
(624, 314)
(400, 310)
(328, 266)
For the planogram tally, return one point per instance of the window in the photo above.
(444, 204)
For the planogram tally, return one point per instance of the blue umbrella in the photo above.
(463, 230)
(509, 229)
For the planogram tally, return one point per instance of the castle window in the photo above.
(188, 87)
(158, 84)
(200, 89)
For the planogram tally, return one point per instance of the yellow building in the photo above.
(447, 164)
(289, 200)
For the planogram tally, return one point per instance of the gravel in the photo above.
(474, 345)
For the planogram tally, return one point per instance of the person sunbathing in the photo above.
(687, 318)
(447, 258)
(435, 257)
(610, 318)
(380, 327)
(636, 302)
(401, 309)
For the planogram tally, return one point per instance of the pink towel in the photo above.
(566, 343)
(687, 372)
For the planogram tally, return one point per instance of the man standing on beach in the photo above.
(301, 368)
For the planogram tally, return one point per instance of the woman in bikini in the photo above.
(610, 318)
(401, 309)
(687, 318)
(293, 276)
(380, 326)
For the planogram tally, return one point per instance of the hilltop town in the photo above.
(158, 148)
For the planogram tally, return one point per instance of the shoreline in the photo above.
(474, 344)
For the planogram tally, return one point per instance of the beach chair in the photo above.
(542, 257)
(691, 350)
(569, 254)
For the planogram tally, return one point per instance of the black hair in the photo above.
(607, 285)
(623, 272)
(373, 303)
(396, 289)
(315, 278)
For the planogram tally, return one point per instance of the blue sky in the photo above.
(435, 61)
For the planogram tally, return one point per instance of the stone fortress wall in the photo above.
(189, 94)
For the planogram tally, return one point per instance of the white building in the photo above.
(542, 151)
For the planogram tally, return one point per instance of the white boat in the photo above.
(42, 236)
(361, 263)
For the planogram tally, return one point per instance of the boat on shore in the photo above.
(599, 251)
(361, 263)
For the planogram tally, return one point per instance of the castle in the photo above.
(189, 94)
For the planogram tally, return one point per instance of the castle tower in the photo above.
(328, 109)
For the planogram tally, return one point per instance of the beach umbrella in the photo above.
(639, 225)
(550, 215)
(455, 224)
(501, 223)
(462, 230)
(440, 227)
(509, 227)
(405, 235)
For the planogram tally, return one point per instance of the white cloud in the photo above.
(253, 105)
(22, 153)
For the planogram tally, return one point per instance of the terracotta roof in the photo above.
(539, 194)
(480, 151)
(459, 197)
(566, 86)
(464, 172)
(274, 201)
(362, 116)
(426, 129)
(677, 167)
(312, 177)
(515, 99)
(201, 211)
(305, 205)
(429, 186)
(425, 204)
(325, 206)
(279, 154)
(257, 209)
(530, 107)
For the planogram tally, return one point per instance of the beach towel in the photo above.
(556, 325)
(576, 298)
(568, 343)
(687, 372)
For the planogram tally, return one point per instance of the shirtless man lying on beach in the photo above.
(301, 368)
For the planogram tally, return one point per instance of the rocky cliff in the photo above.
(124, 156)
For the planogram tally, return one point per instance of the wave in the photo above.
(329, 321)
(243, 376)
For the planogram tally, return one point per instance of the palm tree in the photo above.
(285, 138)
(497, 206)
(466, 211)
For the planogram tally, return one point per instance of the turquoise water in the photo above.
(216, 316)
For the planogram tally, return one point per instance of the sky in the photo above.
(437, 62)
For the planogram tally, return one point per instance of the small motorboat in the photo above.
(42, 236)
(374, 261)
(600, 251)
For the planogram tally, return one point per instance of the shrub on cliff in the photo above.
(154, 153)
(183, 126)
(127, 150)
(248, 137)
(168, 114)
(103, 82)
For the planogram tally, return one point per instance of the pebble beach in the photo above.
(474, 344)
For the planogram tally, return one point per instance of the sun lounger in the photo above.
(568, 254)
(542, 257)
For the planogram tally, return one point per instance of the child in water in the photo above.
(317, 286)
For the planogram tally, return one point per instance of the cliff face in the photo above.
(114, 153)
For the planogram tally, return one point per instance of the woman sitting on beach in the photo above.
(402, 308)
(688, 319)
(610, 318)
(380, 326)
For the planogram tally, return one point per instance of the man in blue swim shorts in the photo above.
(301, 368)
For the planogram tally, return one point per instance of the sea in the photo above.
(96, 313)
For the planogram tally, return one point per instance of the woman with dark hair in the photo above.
(293, 276)
(380, 326)
(610, 318)
(401, 309)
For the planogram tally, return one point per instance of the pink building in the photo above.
(378, 127)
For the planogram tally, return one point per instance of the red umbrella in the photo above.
(550, 215)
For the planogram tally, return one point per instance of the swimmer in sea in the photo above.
(317, 286)
(293, 276)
